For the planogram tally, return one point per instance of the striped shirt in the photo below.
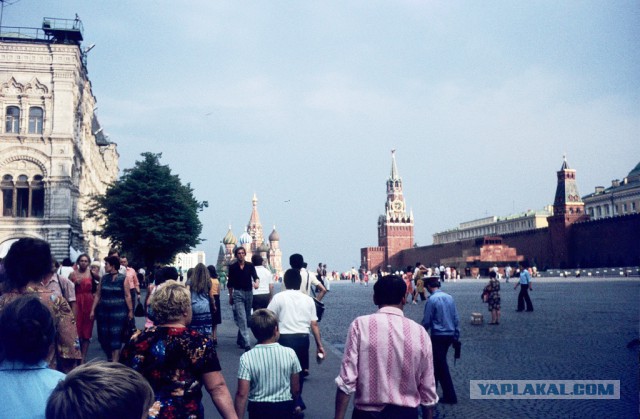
(387, 360)
(268, 368)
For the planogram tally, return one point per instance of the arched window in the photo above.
(7, 195)
(12, 125)
(36, 116)
(37, 196)
(22, 198)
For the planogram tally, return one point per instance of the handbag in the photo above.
(139, 311)
(128, 330)
(485, 296)
(319, 308)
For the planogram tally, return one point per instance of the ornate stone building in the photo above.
(53, 152)
(252, 240)
(395, 226)
(621, 198)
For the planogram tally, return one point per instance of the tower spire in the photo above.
(394, 168)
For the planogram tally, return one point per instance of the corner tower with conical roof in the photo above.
(568, 208)
(395, 226)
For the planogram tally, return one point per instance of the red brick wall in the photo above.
(372, 258)
(608, 242)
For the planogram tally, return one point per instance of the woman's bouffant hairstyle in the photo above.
(170, 302)
(101, 390)
(27, 260)
(200, 280)
(27, 331)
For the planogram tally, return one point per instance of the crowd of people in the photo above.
(47, 316)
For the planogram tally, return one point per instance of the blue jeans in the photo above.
(242, 301)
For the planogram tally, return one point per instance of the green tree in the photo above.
(149, 213)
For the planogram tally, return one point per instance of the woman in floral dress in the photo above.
(177, 360)
(493, 298)
(81, 277)
(26, 265)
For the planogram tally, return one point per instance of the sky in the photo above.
(302, 102)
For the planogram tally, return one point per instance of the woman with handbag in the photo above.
(112, 309)
(492, 293)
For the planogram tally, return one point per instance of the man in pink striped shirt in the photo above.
(387, 362)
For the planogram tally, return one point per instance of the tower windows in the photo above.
(22, 198)
(12, 120)
(36, 117)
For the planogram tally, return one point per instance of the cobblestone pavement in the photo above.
(579, 331)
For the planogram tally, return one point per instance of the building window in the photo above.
(606, 209)
(36, 116)
(633, 206)
(7, 195)
(12, 125)
(599, 211)
(22, 198)
(591, 212)
(37, 197)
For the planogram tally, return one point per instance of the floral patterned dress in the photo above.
(493, 288)
(173, 360)
(66, 340)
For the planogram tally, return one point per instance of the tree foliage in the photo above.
(149, 213)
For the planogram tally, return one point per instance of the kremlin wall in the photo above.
(572, 238)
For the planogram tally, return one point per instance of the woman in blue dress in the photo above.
(201, 303)
(112, 309)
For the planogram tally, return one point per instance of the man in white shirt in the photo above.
(296, 316)
(309, 279)
(263, 294)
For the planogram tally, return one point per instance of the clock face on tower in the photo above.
(397, 205)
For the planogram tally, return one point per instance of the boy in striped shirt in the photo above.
(269, 374)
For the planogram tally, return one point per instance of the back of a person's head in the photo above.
(257, 260)
(27, 260)
(212, 271)
(27, 331)
(170, 272)
(169, 302)
(492, 274)
(389, 290)
(292, 279)
(263, 324)
(101, 390)
(200, 279)
(67, 262)
(296, 261)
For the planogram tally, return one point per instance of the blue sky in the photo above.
(303, 101)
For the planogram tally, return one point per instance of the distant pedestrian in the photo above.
(216, 316)
(507, 273)
(242, 280)
(493, 297)
(269, 374)
(525, 287)
(263, 294)
(441, 319)
(387, 361)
